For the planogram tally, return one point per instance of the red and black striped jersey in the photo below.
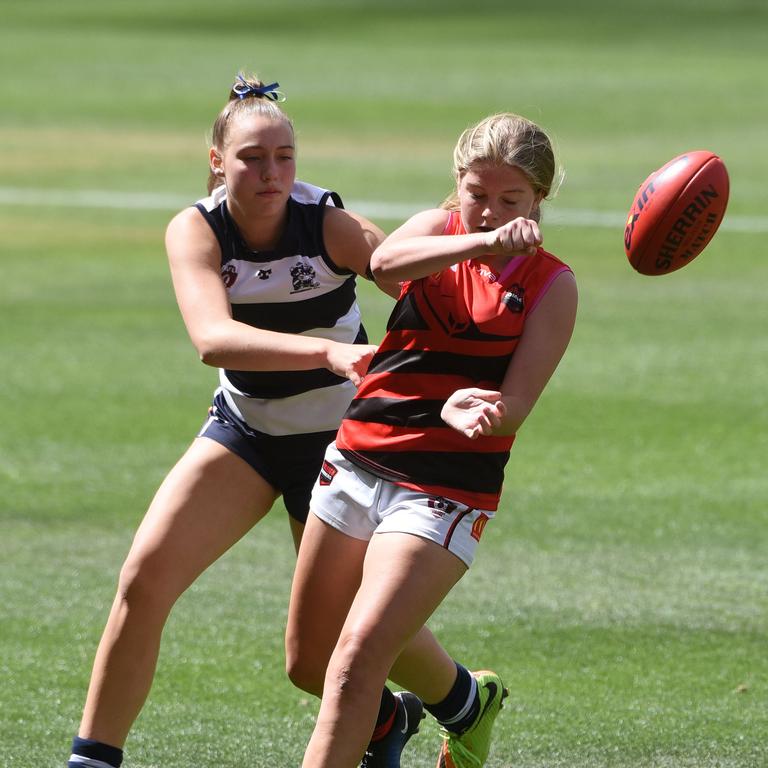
(454, 329)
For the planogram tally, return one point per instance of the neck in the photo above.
(259, 232)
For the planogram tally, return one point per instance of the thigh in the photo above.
(207, 502)
(405, 578)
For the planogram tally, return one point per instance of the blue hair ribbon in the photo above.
(243, 89)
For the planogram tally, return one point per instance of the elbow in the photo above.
(208, 357)
(381, 266)
(379, 273)
(210, 350)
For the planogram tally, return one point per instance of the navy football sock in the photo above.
(458, 710)
(89, 753)
(386, 717)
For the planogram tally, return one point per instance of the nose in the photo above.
(268, 170)
(489, 213)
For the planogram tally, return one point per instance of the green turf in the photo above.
(622, 590)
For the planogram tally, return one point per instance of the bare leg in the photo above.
(404, 579)
(208, 501)
(425, 668)
(327, 577)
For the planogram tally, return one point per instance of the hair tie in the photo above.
(243, 89)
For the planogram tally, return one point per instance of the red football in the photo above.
(676, 212)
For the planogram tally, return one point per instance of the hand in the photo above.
(518, 235)
(350, 360)
(474, 412)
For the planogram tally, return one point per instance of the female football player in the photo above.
(264, 272)
(483, 319)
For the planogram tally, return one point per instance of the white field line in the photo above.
(95, 198)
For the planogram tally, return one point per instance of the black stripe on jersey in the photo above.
(321, 311)
(406, 316)
(445, 363)
(334, 196)
(470, 471)
(213, 219)
(418, 414)
(273, 384)
(302, 234)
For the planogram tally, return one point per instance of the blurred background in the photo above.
(622, 590)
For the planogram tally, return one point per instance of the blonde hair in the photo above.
(506, 139)
(245, 98)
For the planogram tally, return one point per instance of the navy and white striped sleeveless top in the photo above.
(295, 288)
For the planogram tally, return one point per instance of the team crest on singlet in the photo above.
(513, 298)
(229, 275)
(303, 277)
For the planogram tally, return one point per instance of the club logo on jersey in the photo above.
(441, 507)
(263, 274)
(513, 298)
(229, 275)
(327, 473)
(479, 526)
(303, 277)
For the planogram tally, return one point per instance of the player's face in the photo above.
(259, 163)
(491, 195)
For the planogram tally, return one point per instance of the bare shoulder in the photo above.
(188, 235)
(345, 222)
(187, 218)
(430, 222)
(350, 238)
(564, 289)
(559, 302)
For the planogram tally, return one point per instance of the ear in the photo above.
(215, 161)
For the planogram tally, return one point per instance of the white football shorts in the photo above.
(360, 504)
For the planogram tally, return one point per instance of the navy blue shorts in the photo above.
(289, 463)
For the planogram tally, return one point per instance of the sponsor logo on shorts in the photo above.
(479, 526)
(327, 473)
(441, 507)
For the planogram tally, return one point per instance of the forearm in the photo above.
(516, 411)
(240, 347)
(415, 257)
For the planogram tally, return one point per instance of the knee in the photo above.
(358, 659)
(145, 588)
(304, 666)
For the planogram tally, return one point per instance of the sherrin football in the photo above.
(676, 212)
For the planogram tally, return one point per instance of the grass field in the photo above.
(622, 590)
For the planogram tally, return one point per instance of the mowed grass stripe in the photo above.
(160, 201)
